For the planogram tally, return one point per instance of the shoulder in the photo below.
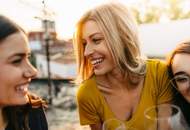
(157, 73)
(37, 111)
(37, 119)
(25, 115)
(87, 86)
(157, 78)
(156, 63)
(156, 66)
(87, 90)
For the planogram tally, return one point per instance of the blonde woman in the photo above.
(116, 82)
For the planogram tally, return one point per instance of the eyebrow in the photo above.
(180, 73)
(19, 54)
(92, 35)
(97, 33)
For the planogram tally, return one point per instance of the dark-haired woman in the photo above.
(179, 68)
(19, 110)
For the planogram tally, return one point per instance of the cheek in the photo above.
(4, 77)
(107, 53)
(6, 82)
(6, 89)
(10, 75)
(111, 60)
(185, 91)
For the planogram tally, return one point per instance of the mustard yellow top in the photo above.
(93, 108)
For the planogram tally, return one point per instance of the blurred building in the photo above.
(62, 61)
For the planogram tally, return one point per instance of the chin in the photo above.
(99, 72)
(103, 71)
(188, 99)
(21, 100)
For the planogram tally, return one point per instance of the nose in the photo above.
(30, 72)
(88, 50)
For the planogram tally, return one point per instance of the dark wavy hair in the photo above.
(183, 47)
(13, 113)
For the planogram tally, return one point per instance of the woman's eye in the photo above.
(96, 41)
(181, 80)
(17, 61)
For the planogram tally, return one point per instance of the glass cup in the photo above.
(164, 117)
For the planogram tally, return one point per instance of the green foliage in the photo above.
(148, 12)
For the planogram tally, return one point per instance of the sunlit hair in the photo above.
(183, 47)
(121, 36)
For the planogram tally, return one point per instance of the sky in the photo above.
(67, 12)
(64, 12)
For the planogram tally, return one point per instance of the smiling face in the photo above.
(96, 50)
(15, 70)
(181, 71)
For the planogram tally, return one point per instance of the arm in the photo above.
(96, 126)
(88, 104)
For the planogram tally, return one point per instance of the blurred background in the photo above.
(50, 26)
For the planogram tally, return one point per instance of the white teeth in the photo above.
(97, 61)
(22, 88)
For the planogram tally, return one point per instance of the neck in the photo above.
(116, 73)
(112, 80)
(2, 120)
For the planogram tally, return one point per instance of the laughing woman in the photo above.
(179, 68)
(18, 109)
(116, 82)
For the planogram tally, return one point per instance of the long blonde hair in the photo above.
(121, 36)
